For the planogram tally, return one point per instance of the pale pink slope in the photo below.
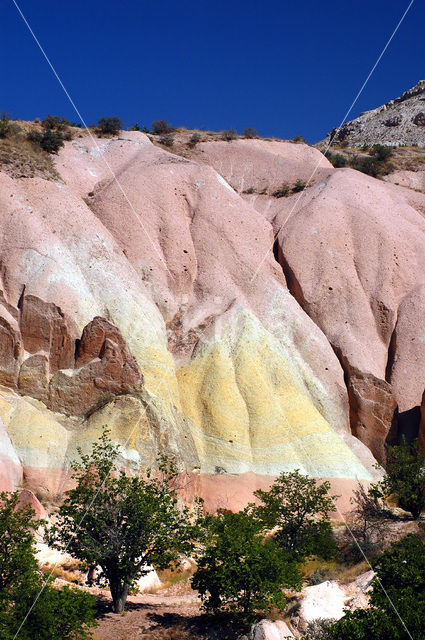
(262, 164)
(354, 251)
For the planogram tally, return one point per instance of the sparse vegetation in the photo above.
(298, 139)
(299, 185)
(110, 125)
(381, 152)
(54, 123)
(135, 127)
(336, 159)
(50, 141)
(167, 140)
(283, 191)
(405, 477)
(159, 127)
(229, 134)
(250, 132)
(5, 126)
(193, 140)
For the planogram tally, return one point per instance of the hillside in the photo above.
(194, 312)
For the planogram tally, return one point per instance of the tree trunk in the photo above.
(119, 593)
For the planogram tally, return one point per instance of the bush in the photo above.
(283, 191)
(381, 152)
(299, 138)
(405, 476)
(229, 134)
(167, 140)
(160, 126)
(5, 126)
(299, 185)
(111, 125)
(297, 508)
(51, 141)
(193, 140)
(135, 127)
(54, 122)
(397, 600)
(336, 159)
(240, 571)
(365, 164)
(124, 523)
(250, 132)
(26, 608)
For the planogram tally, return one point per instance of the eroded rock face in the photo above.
(10, 349)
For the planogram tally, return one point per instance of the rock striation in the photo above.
(241, 333)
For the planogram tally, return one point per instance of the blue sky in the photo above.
(285, 68)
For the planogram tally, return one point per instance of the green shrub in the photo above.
(299, 185)
(240, 571)
(28, 607)
(5, 126)
(111, 125)
(193, 140)
(397, 599)
(54, 122)
(365, 164)
(167, 140)
(283, 191)
(229, 135)
(405, 476)
(160, 127)
(336, 159)
(250, 132)
(135, 127)
(51, 141)
(381, 152)
(299, 138)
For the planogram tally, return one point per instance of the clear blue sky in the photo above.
(285, 68)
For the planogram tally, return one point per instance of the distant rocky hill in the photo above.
(398, 122)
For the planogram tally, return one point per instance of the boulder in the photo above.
(34, 377)
(269, 630)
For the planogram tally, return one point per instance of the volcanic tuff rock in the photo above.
(397, 122)
(150, 300)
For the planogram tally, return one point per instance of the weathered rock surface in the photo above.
(399, 121)
(353, 253)
(268, 630)
(155, 305)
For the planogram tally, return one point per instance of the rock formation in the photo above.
(154, 299)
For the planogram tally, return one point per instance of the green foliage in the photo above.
(336, 159)
(54, 122)
(298, 138)
(401, 573)
(167, 140)
(250, 132)
(229, 134)
(27, 603)
(193, 140)
(283, 191)
(135, 127)
(110, 125)
(381, 152)
(160, 127)
(5, 126)
(298, 507)
(121, 523)
(240, 571)
(366, 164)
(299, 185)
(51, 141)
(405, 476)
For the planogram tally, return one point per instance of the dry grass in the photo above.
(20, 159)
(332, 570)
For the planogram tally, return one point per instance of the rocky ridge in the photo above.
(398, 122)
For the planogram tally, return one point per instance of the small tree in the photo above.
(29, 607)
(111, 125)
(51, 141)
(54, 122)
(406, 477)
(397, 600)
(193, 140)
(240, 571)
(119, 523)
(250, 132)
(298, 508)
(381, 152)
(160, 127)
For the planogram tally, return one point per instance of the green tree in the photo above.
(298, 508)
(28, 604)
(121, 523)
(111, 125)
(405, 476)
(397, 601)
(160, 127)
(240, 571)
(51, 141)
